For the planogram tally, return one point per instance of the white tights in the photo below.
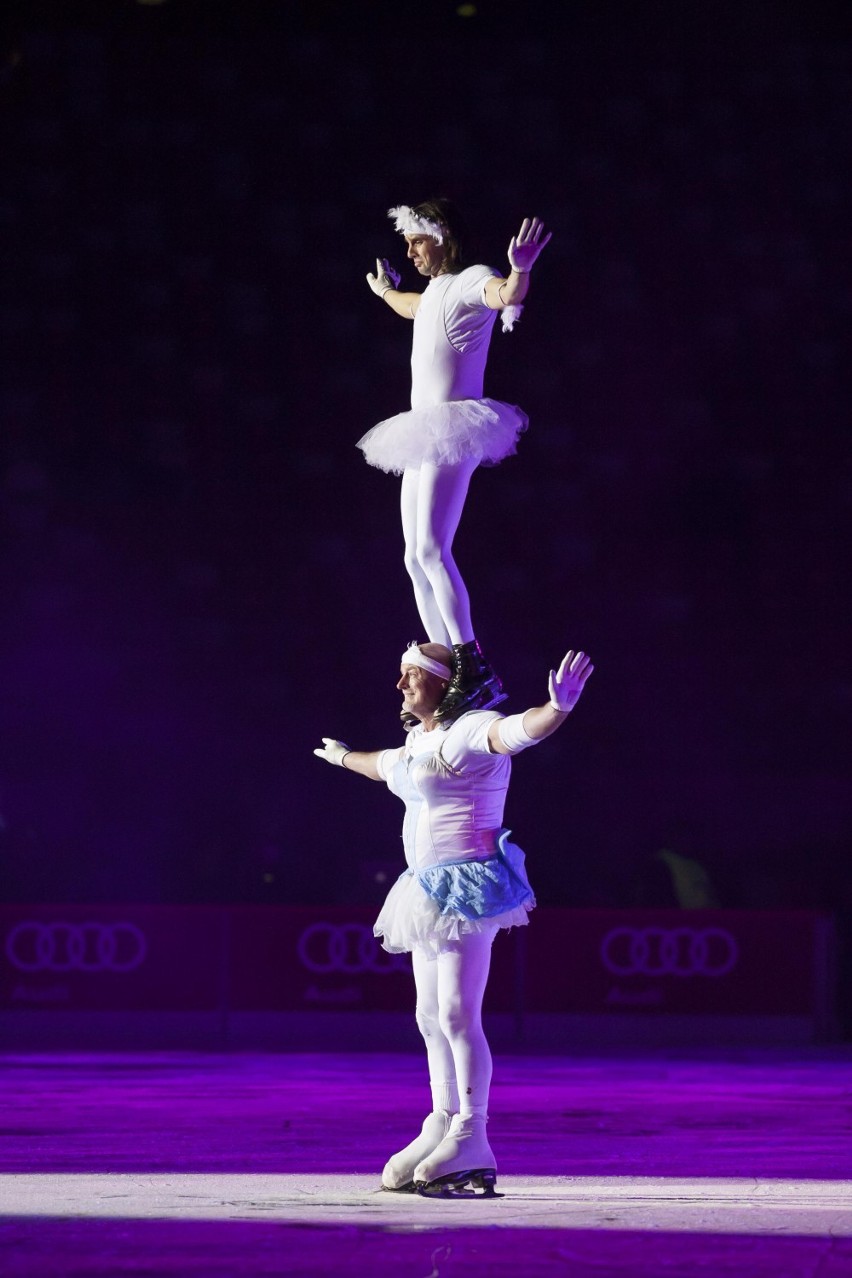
(449, 1016)
(432, 501)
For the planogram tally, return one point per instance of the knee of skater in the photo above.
(413, 566)
(457, 1022)
(427, 1023)
(431, 554)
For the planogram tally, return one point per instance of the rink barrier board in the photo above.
(316, 960)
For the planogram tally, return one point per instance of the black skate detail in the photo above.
(485, 698)
(490, 696)
(474, 685)
(465, 1184)
(408, 1188)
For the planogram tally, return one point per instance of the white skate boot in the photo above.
(463, 1158)
(398, 1174)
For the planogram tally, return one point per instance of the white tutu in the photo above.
(411, 919)
(485, 430)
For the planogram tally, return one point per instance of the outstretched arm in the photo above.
(524, 249)
(565, 686)
(385, 284)
(365, 762)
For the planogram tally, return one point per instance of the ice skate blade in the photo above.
(486, 699)
(455, 1185)
(408, 1188)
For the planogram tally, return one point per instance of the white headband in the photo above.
(409, 223)
(414, 657)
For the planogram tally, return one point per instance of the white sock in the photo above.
(445, 1096)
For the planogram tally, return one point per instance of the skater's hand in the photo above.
(567, 683)
(385, 277)
(525, 247)
(333, 751)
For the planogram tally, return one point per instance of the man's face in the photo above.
(427, 256)
(421, 690)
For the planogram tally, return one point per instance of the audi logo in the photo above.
(350, 948)
(76, 947)
(677, 951)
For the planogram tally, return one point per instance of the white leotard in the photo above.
(452, 330)
(454, 790)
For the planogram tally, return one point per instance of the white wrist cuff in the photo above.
(521, 270)
(513, 735)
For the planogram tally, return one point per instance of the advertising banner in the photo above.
(312, 958)
(111, 958)
(722, 962)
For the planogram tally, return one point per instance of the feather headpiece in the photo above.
(407, 222)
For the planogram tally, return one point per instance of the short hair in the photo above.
(455, 240)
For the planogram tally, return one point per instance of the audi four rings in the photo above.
(350, 948)
(76, 947)
(676, 951)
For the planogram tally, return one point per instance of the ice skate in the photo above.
(474, 685)
(462, 1164)
(398, 1174)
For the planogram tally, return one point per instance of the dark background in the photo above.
(200, 577)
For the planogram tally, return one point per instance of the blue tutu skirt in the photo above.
(483, 430)
(433, 909)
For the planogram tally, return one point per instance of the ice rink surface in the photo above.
(620, 1163)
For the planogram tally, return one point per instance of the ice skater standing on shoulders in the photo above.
(451, 429)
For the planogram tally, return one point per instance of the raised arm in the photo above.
(364, 762)
(565, 686)
(385, 284)
(524, 249)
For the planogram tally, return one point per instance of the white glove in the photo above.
(525, 247)
(333, 751)
(385, 277)
(566, 683)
